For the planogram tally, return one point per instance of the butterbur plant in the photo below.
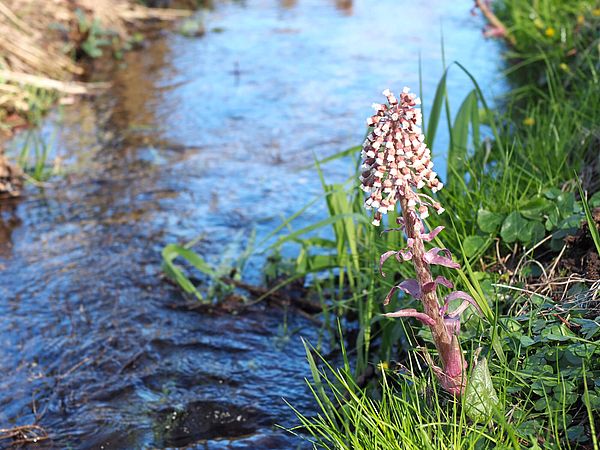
(396, 168)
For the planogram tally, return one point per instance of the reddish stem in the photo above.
(453, 373)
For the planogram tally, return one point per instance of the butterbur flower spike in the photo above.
(396, 165)
(395, 157)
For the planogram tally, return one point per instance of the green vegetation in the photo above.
(95, 38)
(550, 30)
(33, 157)
(221, 278)
(511, 199)
(548, 390)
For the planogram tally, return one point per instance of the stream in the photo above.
(198, 137)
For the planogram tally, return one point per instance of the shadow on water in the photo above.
(197, 136)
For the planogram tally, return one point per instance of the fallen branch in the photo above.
(142, 13)
(25, 434)
(259, 291)
(70, 87)
(497, 27)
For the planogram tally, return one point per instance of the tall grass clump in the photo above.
(545, 395)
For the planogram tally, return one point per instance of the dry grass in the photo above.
(38, 35)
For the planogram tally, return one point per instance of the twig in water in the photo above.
(24, 434)
(496, 26)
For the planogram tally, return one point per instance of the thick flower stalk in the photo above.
(396, 167)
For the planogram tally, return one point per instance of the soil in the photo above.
(581, 255)
(11, 178)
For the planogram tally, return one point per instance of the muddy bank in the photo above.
(44, 57)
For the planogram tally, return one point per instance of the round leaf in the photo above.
(513, 227)
(488, 221)
(472, 244)
(535, 208)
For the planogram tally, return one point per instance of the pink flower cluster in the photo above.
(396, 159)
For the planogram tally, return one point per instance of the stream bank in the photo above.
(46, 54)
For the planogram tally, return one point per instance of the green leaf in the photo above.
(552, 193)
(535, 207)
(172, 251)
(317, 242)
(589, 327)
(316, 263)
(577, 433)
(593, 228)
(526, 341)
(566, 204)
(475, 123)
(552, 220)
(488, 221)
(555, 337)
(535, 232)
(480, 396)
(541, 404)
(436, 109)
(594, 401)
(513, 228)
(457, 153)
(472, 244)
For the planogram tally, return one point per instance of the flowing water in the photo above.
(198, 136)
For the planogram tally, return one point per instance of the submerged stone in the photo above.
(204, 420)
